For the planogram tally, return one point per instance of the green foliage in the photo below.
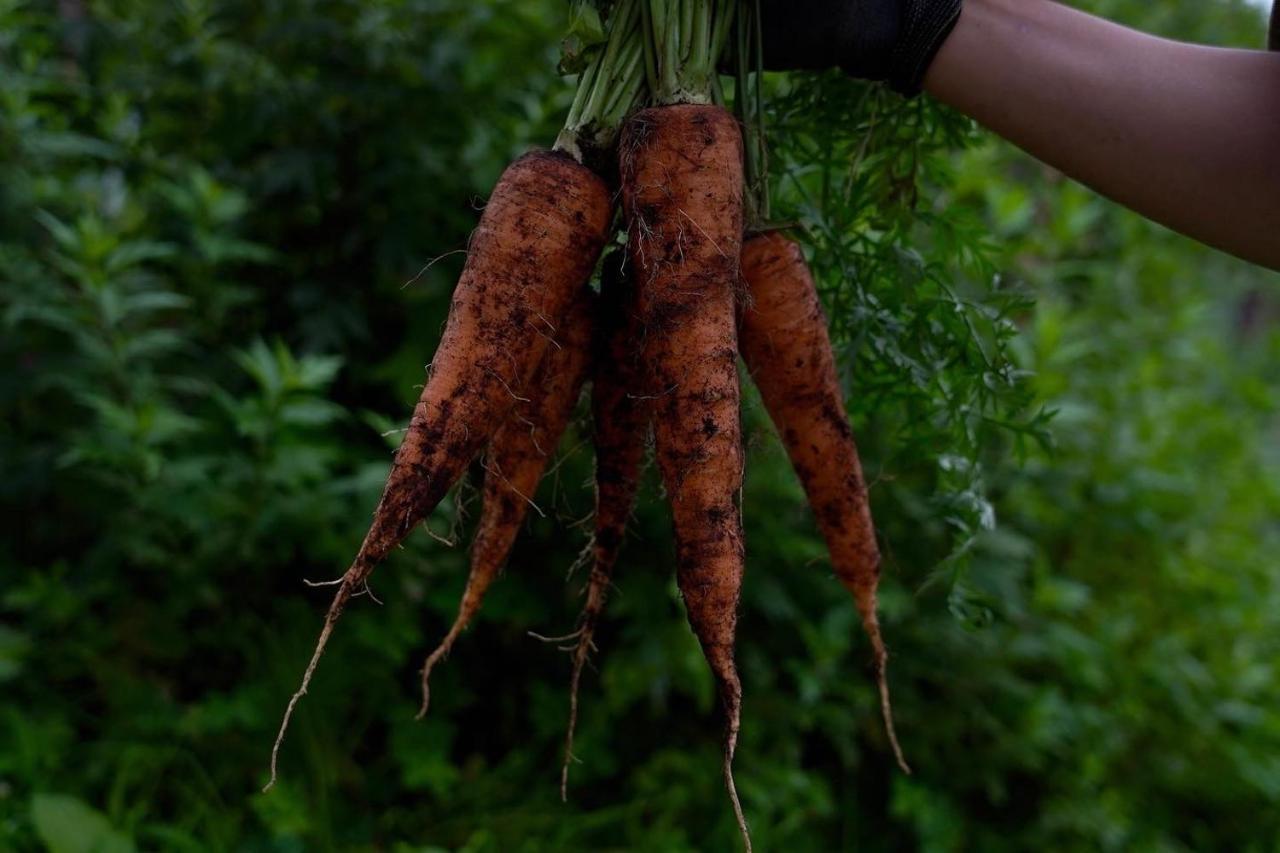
(66, 825)
(216, 222)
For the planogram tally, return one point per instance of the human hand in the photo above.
(889, 40)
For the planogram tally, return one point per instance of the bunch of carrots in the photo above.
(701, 281)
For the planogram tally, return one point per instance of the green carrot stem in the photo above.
(688, 23)
(761, 132)
(586, 81)
(629, 84)
(609, 86)
(687, 39)
(671, 52)
(650, 54)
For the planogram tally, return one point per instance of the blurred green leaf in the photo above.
(68, 825)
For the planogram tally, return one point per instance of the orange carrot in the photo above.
(536, 245)
(620, 414)
(516, 459)
(682, 194)
(786, 347)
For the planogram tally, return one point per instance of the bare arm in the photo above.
(1186, 135)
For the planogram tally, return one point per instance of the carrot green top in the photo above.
(612, 77)
(683, 42)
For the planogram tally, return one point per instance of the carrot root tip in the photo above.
(882, 685)
(440, 653)
(738, 814)
(886, 711)
(335, 610)
(579, 661)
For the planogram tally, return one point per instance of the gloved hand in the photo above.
(889, 40)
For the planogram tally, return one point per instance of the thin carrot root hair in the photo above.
(335, 610)
(880, 661)
(733, 723)
(597, 591)
(739, 816)
(440, 653)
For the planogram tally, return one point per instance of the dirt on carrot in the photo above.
(536, 245)
(621, 413)
(788, 351)
(516, 459)
(683, 197)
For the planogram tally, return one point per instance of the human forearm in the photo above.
(1184, 134)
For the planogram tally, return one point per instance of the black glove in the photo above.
(889, 40)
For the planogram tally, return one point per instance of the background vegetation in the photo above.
(215, 217)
